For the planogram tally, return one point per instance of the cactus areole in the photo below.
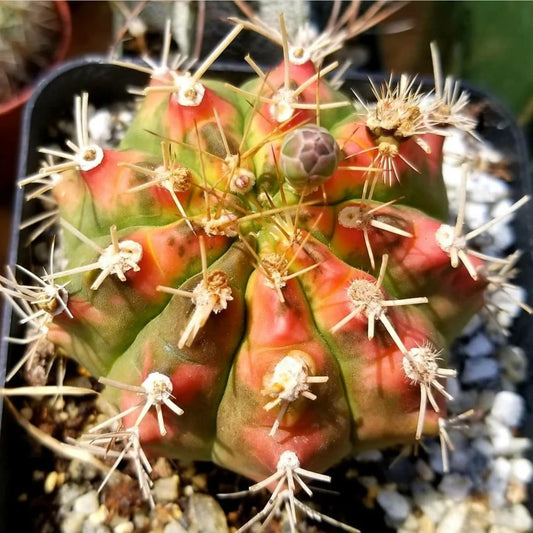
(258, 272)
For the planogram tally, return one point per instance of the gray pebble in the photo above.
(513, 361)
(456, 486)
(206, 515)
(429, 501)
(479, 370)
(479, 346)
(396, 506)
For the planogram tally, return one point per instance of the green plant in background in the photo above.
(262, 275)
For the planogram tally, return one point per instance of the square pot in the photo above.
(107, 83)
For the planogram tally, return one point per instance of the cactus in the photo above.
(262, 276)
(29, 32)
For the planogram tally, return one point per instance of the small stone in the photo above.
(174, 527)
(100, 125)
(515, 517)
(206, 515)
(516, 492)
(479, 370)
(50, 482)
(87, 503)
(125, 527)
(454, 520)
(513, 361)
(68, 494)
(501, 529)
(162, 468)
(72, 523)
(498, 480)
(476, 214)
(508, 408)
(485, 188)
(479, 346)
(424, 471)
(410, 525)
(502, 236)
(522, 469)
(141, 521)
(99, 516)
(369, 456)
(89, 527)
(485, 401)
(456, 486)
(199, 482)
(483, 446)
(166, 489)
(395, 505)
(429, 500)
(426, 525)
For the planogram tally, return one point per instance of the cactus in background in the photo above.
(263, 275)
(29, 33)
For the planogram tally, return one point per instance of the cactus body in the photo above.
(289, 248)
(277, 259)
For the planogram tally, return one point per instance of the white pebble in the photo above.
(522, 469)
(454, 520)
(174, 527)
(72, 523)
(68, 494)
(486, 188)
(124, 527)
(87, 503)
(508, 299)
(508, 408)
(476, 214)
(502, 236)
(100, 126)
(498, 480)
(502, 207)
(515, 517)
(99, 516)
(395, 505)
(166, 489)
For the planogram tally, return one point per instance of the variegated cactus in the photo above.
(263, 276)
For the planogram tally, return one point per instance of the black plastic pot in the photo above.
(107, 83)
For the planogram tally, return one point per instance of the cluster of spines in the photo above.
(394, 118)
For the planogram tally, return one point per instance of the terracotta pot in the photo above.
(11, 111)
